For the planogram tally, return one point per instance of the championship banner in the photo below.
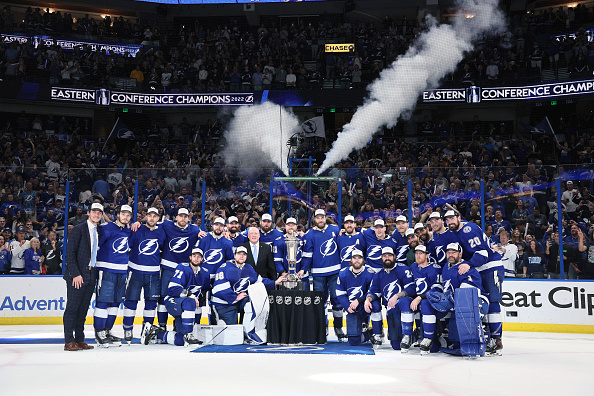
(71, 44)
(476, 94)
(106, 97)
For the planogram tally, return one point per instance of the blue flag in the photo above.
(121, 131)
(543, 128)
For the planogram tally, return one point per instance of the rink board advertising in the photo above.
(550, 306)
(105, 97)
(476, 94)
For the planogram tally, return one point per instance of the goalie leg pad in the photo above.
(468, 322)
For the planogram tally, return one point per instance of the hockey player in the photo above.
(280, 253)
(427, 277)
(375, 240)
(400, 238)
(348, 241)
(440, 238)
(233, 227)
(351, 288)
(268, 234)
(217, 249)
(394, 285)
(187, 285)
(321, 257)
(462, 292)
(112, 269)
(229, 294)
(478, 254)
(413, 241)
(422, 233)
(145, 253)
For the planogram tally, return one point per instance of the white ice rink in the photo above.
(532, 364)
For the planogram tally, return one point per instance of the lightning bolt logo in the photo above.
(401, 253)
(391, 288)
(441, 256)
(374, 252)
(421, 284)
(241, 285)
(179, 244)
(328, 248)
(148, 247)
(355, 293)
(345, 253)
(447, 285)
(214, 256)
(120, 245)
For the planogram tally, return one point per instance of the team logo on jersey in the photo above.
(355, 293)
(179, 244)
(421, 284)
(29, 198)
(328, 248)
(392, 288)
(279, 299)
(298, 300)
(402, 253)
(241, 285)
(466, 229)
(307, 301)
(120, 245)
(317, 300)
(447, 285)
(288, 300)
(441, 256)
(148, 247)
(346, 252)
(213, 256)
(51, 254)
(374, 252)
(271, 299)
(195, 290)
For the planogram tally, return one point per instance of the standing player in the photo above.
(145, 253)
(477, 253)
(375, 240)
(279, 250)
(351, 288)
(427, 277)
(400, 238)
(321, 256)
(348, 241)
(112, 269)
(394, 285)
(217, 249)
(233, 227)
(186, 288)
(268, 234)
(441, 238)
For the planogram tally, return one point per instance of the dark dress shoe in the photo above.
(84, 345)
(72, 346)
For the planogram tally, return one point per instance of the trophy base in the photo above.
(292, 285)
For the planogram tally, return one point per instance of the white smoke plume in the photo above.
(435, 54)
(257, 136)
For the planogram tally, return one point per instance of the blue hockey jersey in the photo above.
(230, 281)
(401, 247)
(112, 255)
(270, 236)
(145, 249)
(350, 286)
(475, 248)
(320, 252)
(178, 244)
(373, 254)
(279, 249)
(426, 278)
(216, 251)
(386, 283)
(453, 280)
(239, 240)
(437, 246)
(346, 243)
(184, 278)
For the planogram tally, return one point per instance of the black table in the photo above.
(296, 317)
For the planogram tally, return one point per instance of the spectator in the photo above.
(5, 256)
(571, 198)
(52, 253)
(33, 258)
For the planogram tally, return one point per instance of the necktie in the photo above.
(94, 249)
(255, 253)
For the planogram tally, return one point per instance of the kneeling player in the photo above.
(394, 284)
(229, 293)
(351, 288)
(427, 277)
(187, 285)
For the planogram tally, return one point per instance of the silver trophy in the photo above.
(293, 282)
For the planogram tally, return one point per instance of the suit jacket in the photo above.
(265, 265)
(78, 254)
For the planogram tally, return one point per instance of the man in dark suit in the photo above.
(264, 262)
(80, 276)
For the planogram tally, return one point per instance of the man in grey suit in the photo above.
(264, 262)
(80, 276)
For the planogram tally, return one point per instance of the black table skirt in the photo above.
(296, 317)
